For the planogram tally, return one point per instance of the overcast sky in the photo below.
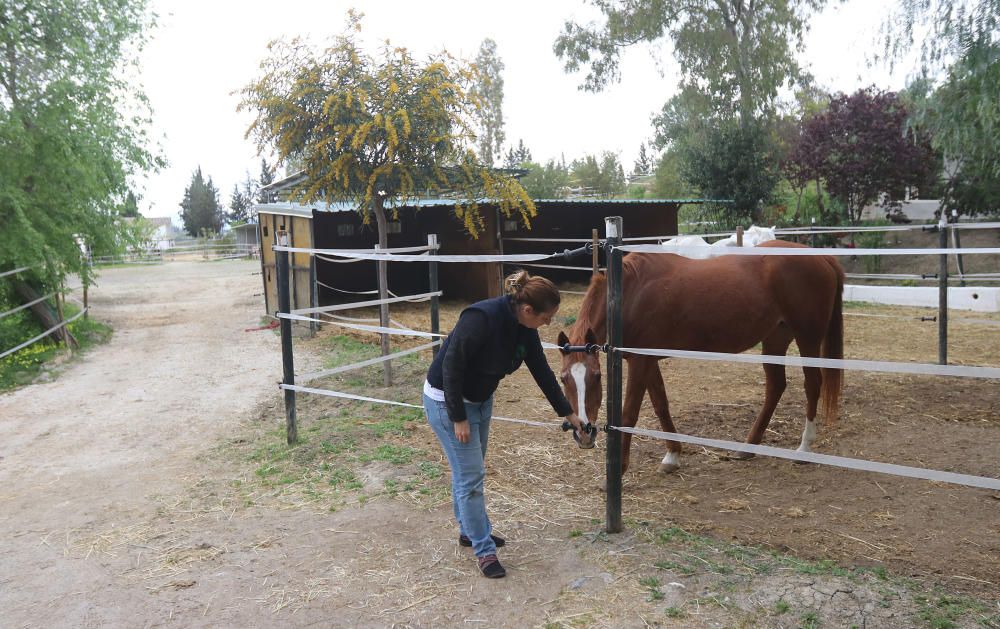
(202, 51)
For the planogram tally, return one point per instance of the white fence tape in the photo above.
(15, 271)
(362, 398)
(391, 257)
(366, 363)
(983, 482)
(833, 363)
(363, 328)
(27, 305)
(700, 250)
(363, 304)
(558, 266)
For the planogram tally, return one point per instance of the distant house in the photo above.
(163, 237)
(247, 239)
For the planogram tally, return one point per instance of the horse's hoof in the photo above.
(741, 456)
(669, 468)
(603, 486)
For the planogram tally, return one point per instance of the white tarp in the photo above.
(751, 238)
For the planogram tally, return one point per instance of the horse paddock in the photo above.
(935, 532)
(142, 504)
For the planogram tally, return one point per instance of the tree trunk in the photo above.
(44, 314)
(383, 286)
(819, 203)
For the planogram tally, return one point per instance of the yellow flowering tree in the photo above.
(377, 131)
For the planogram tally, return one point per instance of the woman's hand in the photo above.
(462, 431)
(584, 437)
(574, 419)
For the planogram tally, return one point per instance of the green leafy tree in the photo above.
(962, 117)
(516, 156)
(740, 53)
(266, 178)
(130, 209)
(602, 177)
(959, 44)
(735, 57)
(734, 164)
(241, 201)
(668, 180)
(487, 93)
(200, 209)
(545, 182)
(72, 130)
(376, 132)
(643, 162)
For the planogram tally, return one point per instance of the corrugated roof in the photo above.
(306, 209)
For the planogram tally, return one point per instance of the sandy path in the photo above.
(87, 451)
(114, 501)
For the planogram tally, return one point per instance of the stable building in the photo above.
(319, 281)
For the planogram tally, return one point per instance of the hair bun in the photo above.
(515, 282)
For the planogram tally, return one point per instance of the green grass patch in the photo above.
(338, 439)
(945, 612)
(652, 585)
(25, 365)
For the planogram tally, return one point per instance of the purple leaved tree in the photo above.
(860, 146)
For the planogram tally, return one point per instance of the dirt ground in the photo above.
(118, 507)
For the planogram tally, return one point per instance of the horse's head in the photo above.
(581, 379)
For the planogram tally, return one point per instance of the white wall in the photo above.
(976, 298)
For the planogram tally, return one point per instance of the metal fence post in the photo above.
(613, 226)
(943, 291)
(956, 242)
(432, 242)
(287, 361)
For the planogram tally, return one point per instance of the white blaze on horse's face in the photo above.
(581, 377)
(579, 374)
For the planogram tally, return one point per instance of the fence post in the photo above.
(60, 312)
(739, 235)
(613, 226)
(943, 291)
(383, 315)
(956, 242)
(432, 242)
(812, 237)
(287, 361)
(595, 254)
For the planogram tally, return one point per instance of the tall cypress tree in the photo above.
(200, 208)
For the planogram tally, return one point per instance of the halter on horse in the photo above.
(725, 304)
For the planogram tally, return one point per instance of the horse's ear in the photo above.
(562, 340)
(590, 337)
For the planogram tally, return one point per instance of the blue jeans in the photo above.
(468, 469)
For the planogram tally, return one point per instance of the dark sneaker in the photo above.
(465, 541)
(491, 568)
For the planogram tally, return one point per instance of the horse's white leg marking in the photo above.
(672, 458)
(579, 372)
(808, 435)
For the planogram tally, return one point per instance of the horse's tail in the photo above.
(833, 347)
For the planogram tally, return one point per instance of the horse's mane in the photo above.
(593, 311)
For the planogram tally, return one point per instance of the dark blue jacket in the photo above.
(487, 344)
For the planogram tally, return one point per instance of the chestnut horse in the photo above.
(724, 304)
